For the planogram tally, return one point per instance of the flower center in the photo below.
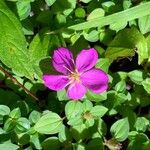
(74, 76)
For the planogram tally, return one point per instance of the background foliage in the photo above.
(32, 117)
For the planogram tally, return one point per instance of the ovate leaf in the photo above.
(73, 109)
(13, 50)
(50, 123)
(120, 129)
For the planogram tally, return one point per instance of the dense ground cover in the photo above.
(101, 48)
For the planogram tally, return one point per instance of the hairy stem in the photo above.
(18, 83)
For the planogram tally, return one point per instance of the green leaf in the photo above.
(91, 36)
(34, 116)
(95, 144)
(50, 2)
(144, 24)
(50, 123)
(79, 146)
(9, 124)
(80, 13)
(35, 141)
(13, 47)
(85, 1)
(73, 109)
(98, 111)
(87, 105)
(15, 113)
(8, 146)
(146, 85)
(24, 138)
(66, 8)
(23, 8)
(79, 132)
(96, 13)
(38, 49)
(137, 140)
(125, 48)
(64, 134)
(22, 125)
(103, 63)
(52, 143)
(96, 97)
(136, 76)
(75, 121)
(118, 26)
(120, 129)
(120, 86)
(126, 15)
(4, 110)
(141, 124)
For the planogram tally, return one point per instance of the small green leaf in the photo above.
(8, 146)
(22, 125)
(75, 121)
(141, 124)
(50, 2)
(95, 144)
(120, 86)
(96, 13)
(120, 129)
(103, 63)
(73, 109)
(35, 141)
(87, 105)
(23, 8)
(146, 85)
(64, 134)
(52, 143)
(91, 36)
(9, 124)
(96, 97)
(80, 13)
(98, 111)
(136, 76)
(34, 116)
(62, 95)
(15, 113)
(85, 1)
(79, 146)
(24, 138)
(50, 123)
(4, 110)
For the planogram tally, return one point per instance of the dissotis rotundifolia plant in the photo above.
(78, 75)
(66, 104)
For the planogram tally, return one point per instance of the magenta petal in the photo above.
(55, 82)
(95, 80)
(63, 60)
(76, 91)
(86, 60)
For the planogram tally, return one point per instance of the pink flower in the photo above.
(77, 76)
